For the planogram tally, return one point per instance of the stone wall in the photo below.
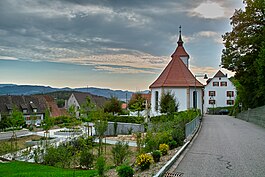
(123, 128)
(256, 116)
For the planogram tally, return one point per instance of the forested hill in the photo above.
(12, 89)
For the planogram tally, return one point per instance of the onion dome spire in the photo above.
(180, 42)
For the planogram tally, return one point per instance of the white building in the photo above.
(178, 79)
(219, 92)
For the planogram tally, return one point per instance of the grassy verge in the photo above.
(24, 169)
(5, 145)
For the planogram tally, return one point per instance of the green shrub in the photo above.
(178, 135)
(126, 119)
(151, 142)
(172, 144)
(125, 171)
(156, 155)
(164, 148)
(100, 165)
(59, 157)
(120, 152)
(86, 158)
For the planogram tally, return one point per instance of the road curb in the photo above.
(170, 163)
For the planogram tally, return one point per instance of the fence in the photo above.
(192, 126)
(256, 116)
(123, 128)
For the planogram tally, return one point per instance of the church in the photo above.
(177, 79)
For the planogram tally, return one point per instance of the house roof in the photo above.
(81, 98)
(51, 104)
(7, 102)
(220, 74)
(176, 73)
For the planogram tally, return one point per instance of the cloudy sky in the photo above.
(118, 44)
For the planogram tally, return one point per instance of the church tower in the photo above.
(181, 52)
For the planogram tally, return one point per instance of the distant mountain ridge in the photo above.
(13, 89)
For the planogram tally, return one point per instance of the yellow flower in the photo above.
(163, 148)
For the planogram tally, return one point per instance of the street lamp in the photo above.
(195, 92)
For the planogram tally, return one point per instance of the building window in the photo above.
(211, 101)
(230, 93)
(195, 99)
(224, 84)
(156, 100)
(211, 93)
(216, 84)
(230, 102)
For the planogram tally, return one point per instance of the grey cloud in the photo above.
(46, 30)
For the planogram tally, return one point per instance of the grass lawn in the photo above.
(23, 169)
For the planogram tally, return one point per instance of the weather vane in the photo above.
(180, 29)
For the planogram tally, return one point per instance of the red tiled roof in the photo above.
(180, 51)
(176, 74)
(124, 106)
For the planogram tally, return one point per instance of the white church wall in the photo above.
(180, 96)
(199, 98)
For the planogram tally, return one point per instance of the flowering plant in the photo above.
(144, 161)
(163, 148)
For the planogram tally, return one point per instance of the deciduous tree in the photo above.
(16, 119)
(137, 103)
(113, 105)
(244, 51)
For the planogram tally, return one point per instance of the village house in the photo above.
(33, 107)
(219, 92)
(77, 99)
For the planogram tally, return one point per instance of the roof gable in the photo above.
(81, 98)
(219, 74)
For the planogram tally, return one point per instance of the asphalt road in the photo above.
(8, 135)
(226, 147)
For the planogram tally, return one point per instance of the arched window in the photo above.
(195, 99)
(156, 100)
